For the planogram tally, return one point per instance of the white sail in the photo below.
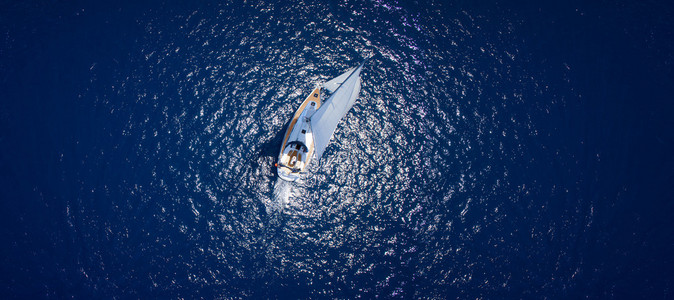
(334, 83)
(324, 121)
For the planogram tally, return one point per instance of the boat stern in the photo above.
(286, 174)
(292, 161)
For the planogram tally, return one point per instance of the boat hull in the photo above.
(297, 148)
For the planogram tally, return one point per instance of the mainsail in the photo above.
(324, 121)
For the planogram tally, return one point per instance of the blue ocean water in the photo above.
(497, 150)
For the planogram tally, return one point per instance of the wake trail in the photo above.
(282, 194)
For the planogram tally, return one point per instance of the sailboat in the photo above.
(314, 122)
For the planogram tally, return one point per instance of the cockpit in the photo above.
(294, 155)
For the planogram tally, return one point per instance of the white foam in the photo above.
(282, 194)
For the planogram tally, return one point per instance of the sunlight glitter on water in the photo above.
(410, 158)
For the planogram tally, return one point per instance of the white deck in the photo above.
(294, 158)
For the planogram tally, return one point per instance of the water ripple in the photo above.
(410, 195)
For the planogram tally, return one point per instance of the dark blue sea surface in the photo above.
(498, 150)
